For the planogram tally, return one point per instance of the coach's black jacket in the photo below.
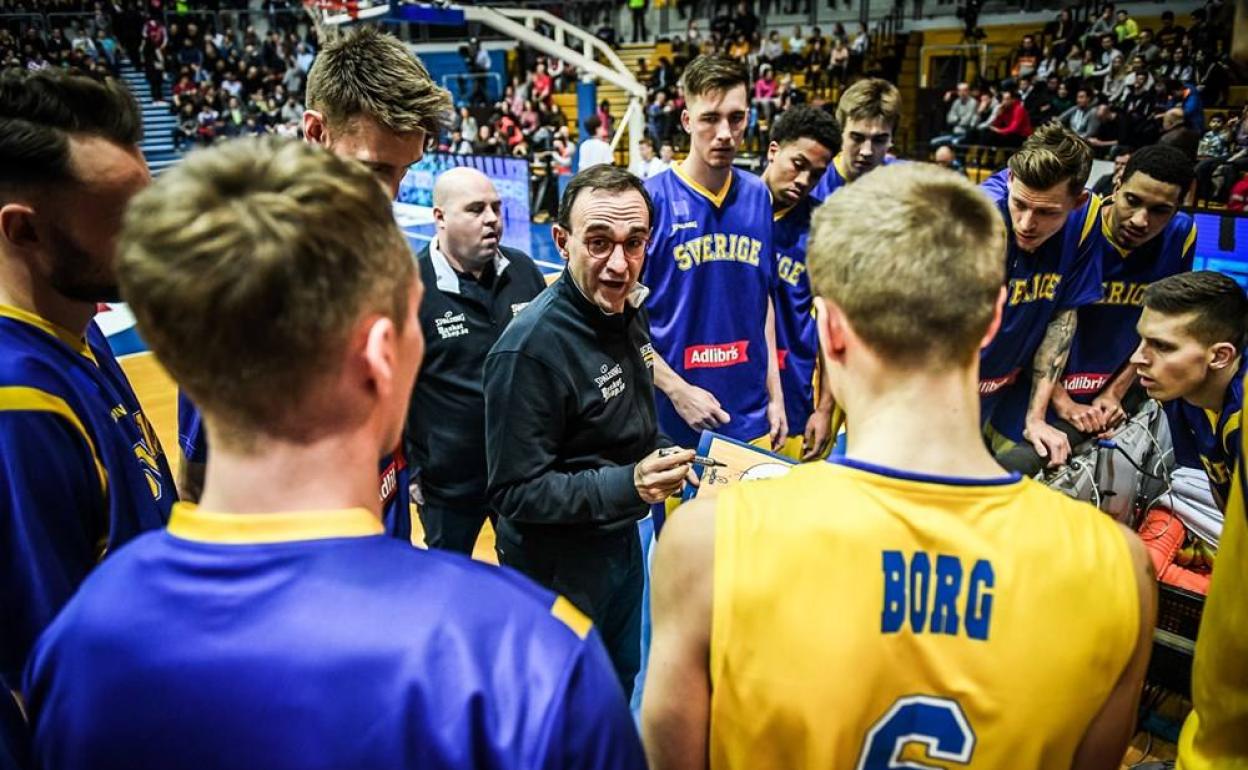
(569, 410)
(461, 319)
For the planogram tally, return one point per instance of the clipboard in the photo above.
(745, 462)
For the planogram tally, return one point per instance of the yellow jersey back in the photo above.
(868, 618)
(1214, 736)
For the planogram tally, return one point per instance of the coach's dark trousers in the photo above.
(599, 572)
(452, 528)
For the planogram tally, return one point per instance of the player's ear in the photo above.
(1081, 198)
(772, 149)
(685, 120)
(1222, 355)
(380, 354)
(830, 323)
(17, 225)
(314, 129)
(995, 324)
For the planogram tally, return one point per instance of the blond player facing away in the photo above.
(911, 602)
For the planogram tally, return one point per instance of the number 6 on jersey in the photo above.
(937, 723)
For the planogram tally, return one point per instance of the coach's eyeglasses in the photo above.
(601, 247)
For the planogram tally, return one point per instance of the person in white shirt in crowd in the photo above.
(595, 150)
(647, 165)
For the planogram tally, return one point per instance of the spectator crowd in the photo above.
(1120, 85)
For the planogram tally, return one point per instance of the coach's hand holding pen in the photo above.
(659, 474)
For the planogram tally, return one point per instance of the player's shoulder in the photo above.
(661, 183)
(750, 185)
(32, 359)
(483, 600)
(1181, 225)
(997, 186)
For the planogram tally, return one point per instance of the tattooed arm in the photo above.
(1046, 370)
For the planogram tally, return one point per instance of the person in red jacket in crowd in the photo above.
(1009, 126)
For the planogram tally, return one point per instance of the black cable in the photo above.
(1130, 459)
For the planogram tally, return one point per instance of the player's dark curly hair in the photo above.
(1164, 163)
(1218, 303)
(40, 110)
(806, 122)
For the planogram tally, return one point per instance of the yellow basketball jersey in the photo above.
(865, 617)
(1216, 732)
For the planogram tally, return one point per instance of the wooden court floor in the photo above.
(158, 395)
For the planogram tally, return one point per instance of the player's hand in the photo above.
(1049, 442)
(659, 474)
(1088, 419)
(778, 424)
(699, 408)
(818, 433)
(1112, 413)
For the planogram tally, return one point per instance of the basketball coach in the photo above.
(572, 441)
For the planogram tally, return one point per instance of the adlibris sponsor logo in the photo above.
(992, 385)
(1084, 383)
(715, 356)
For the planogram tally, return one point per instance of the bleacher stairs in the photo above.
(158, 122)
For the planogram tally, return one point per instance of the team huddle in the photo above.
(917, 599)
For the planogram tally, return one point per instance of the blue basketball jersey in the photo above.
(836, 177)
(396, 496)
(710, 269)
(310, 640)
(1105, 337)
(1060, 275)
(81, 472)
(797, 341)
(1210, 440)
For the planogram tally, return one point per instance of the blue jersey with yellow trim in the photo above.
(835, 178)
(82, 472)
(310, 640)
(1210, 440)
(396, 496)
(710, 270)
(1105, 336)
(797, 341)
(1060, 275)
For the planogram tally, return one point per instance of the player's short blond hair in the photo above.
(1051, 155)
(368, 72)
(248, 265)
(912, 254)
(870, 99)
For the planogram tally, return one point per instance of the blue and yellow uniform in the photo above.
(1210, 440)
(312, 640)
(1105, 334)
(1060, 275)
(710, 269)
(797, 341)
(837, 177)
(977, 623)
(1213, 736)
(395, 490)
(82, 472)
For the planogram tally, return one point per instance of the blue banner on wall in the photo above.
(509, 175)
